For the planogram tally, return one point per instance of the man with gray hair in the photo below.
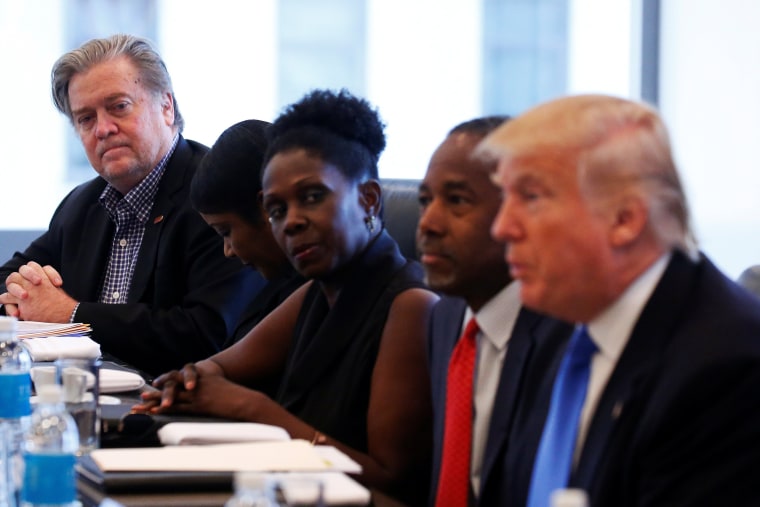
(655, 399)
(125, 251)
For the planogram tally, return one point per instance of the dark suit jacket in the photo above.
(679, 420)
(271, 293)
(185, 296)
(445, 329)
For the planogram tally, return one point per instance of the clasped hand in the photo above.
(193, 389)
(176, 385)
(35, 293)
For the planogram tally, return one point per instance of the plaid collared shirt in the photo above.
(130, 213)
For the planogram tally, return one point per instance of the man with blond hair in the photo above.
(654, 400)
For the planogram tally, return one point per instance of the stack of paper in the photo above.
(175, 465)
(194, 468)
(48, 341)
(29, 329)
(286, 455)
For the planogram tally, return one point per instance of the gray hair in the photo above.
(140, 51)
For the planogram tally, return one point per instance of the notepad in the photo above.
(339, 489)
(282, 456)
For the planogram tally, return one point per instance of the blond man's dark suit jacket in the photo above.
(445, 329)
(185, 298)
(678, 423)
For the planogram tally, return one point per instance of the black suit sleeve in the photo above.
(185, 298)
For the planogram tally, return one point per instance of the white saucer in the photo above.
(104, 399)
(119, 381)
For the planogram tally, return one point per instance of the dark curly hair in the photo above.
(338, 127)
(229, 176)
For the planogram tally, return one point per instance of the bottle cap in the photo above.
(569, 498)
(50, 393)
(252, 481)
(7, 324)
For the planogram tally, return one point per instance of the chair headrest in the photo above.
(401, 212)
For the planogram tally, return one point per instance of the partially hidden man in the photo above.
(480, 338)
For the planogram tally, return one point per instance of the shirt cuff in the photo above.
(74, 313)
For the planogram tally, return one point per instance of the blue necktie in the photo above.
(554, 459)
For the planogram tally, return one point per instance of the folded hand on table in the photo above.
(199, 389)
(36, 293)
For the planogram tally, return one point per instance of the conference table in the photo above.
(120, 428)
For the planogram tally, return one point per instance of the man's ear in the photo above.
(371, 197)
(629, 220)
(167, 108)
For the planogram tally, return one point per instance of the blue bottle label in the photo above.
(49, 478)
(15, 391)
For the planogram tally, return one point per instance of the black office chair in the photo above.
(401, 212)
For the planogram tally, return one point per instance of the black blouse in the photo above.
(329, 368)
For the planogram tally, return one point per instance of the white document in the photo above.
(283, 456)
(32, 329)
(189, 433)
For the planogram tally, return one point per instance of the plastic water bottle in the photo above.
(7, 497)
(49, 452)
(15, 391)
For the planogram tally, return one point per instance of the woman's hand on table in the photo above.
(199, 390)
(168, 385)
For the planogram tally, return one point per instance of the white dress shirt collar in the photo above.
(500, 309)
(611, 331)
(612, 328)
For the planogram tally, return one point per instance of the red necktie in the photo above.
(454, 479)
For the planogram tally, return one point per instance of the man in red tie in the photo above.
(480, 338)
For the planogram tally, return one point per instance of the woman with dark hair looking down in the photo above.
(350, 343)
(225, 191)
